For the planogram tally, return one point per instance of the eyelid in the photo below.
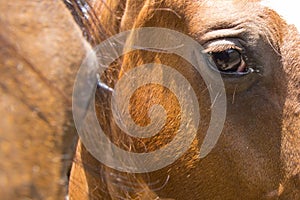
(223, 33)
(221, 45)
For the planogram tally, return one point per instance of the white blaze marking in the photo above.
(288, 10)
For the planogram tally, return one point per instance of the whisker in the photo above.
(161, 187)
(169, 10)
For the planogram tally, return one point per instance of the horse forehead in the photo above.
(287, 9)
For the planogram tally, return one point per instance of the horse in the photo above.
(257, 153)
(42, 48)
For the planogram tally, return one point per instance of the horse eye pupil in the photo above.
(228, 60)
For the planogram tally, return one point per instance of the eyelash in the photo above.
(222, 47)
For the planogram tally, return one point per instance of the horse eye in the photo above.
(228, 61)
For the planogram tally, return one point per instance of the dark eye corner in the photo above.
(228, 58)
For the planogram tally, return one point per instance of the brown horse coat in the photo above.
(257, 155)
